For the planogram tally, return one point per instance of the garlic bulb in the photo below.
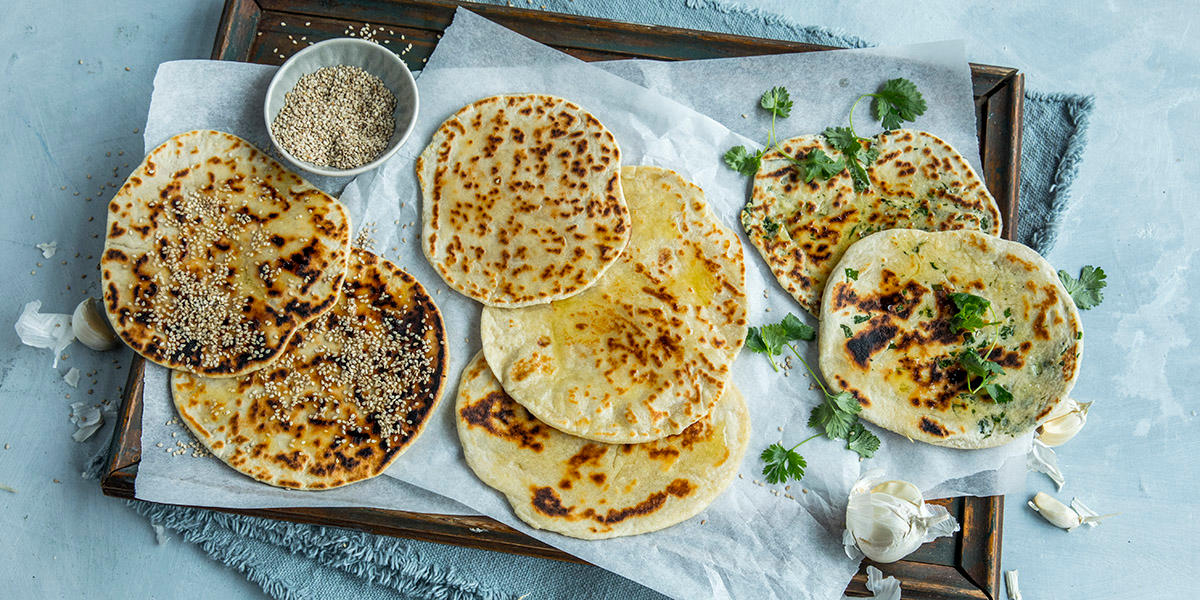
(1067, 418)
(91, 326)
(888, 520)
(1061, 515)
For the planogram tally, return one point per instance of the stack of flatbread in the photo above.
(296, 359)
(614, 306)
(880, 267)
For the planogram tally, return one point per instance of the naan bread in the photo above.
(592, 490)
(887, 335)
(216, 254)
(350, 394)
(522, 200)
(801, 229)
(647, 350)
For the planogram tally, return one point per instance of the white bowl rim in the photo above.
(327, 171)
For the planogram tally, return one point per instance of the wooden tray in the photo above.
(268, 31)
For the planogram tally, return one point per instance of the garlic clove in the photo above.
(1010, 582)
(902, 490)
(1057, 513)
(1064, 421)
(91, 326)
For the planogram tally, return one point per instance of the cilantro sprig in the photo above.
(835, 418)
(816, 164)
(983, 371)
(1085, 291)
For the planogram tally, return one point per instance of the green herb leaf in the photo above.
(1085, 291)
(817, 165)
(781, 464)
(777, 101)
(898, 101)
(971, 309)
(841, 138)
(852, 274)
(978, 367)
(754, 341)
(856, 155)
(862, 441)
(846, 331)
(797, 330)
(998, 393)
(835, 415)
(743, 161)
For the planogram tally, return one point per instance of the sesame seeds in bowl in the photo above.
(341, 107)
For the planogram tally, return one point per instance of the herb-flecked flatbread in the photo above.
(890, 337)
(350, 394)
(521, 200)
(648, 349)
(592, 490)
(802, 228)
(216, 253)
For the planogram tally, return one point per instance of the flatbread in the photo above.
(216, 253)
(522, 200)
(801, 229)
(591, 490)
(887, 335)
(351, 393)
(646, 351)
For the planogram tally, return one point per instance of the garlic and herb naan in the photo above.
(352, 391)
(888, 335)
(216, 253)
(648, 349)
(591, 490)
(521, 200)
(801, 229)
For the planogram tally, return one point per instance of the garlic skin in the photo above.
(888, 520)
(1067, 418)
(91, 326)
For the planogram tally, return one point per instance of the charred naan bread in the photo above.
(351, 393)
(215, 254)
(648, 349)
(522, 200)
(592, 490)
(801, 229)
(888, 335)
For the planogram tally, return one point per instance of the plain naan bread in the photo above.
(801, 229)
(887, 335)
(351, 393)
(522, 203)
(216, 254)
(647, 350)
(592, 490)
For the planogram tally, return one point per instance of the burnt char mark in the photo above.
(496, 413)
(679, 488)
(933, 427)
(547, 502)
(869, 341)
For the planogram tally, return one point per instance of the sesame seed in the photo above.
(337, 117)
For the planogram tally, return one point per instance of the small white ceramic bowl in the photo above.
(370, 57)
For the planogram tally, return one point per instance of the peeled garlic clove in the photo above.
(1059, 514)
(1067, 418)
(1010, 582)
(91, 326)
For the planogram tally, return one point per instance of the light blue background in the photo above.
(1134, 214)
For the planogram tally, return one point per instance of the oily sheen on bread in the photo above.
(802, 228)
(350, 394)
(215, 254)
(648, 349)
(591, 490)
(888, 336)
(521, 200)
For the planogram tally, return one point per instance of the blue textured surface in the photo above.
(1130, 214)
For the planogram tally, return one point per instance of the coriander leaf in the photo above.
(797, 329)
(846, 402)
(1085, 291)
(971, 309)
(770, 226)
(781, 464)
(861, 319)
(898, 101)
(775, 336)
(817, 165)
(777, 101)
(998, 393)
(841, 137)
(743, 161)
(862, 441)
(836, 415)
(846, 331)
(978, 367)
(851, 273)
(754, 341)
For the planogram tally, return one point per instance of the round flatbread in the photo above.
(350, 394)
(592, 490)
(802, 228)
(522, 200)
(889, 335)
(646, 351)
(216, 253)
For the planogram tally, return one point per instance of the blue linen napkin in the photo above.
(292, 561)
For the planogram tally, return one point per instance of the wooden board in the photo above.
(269, 31)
